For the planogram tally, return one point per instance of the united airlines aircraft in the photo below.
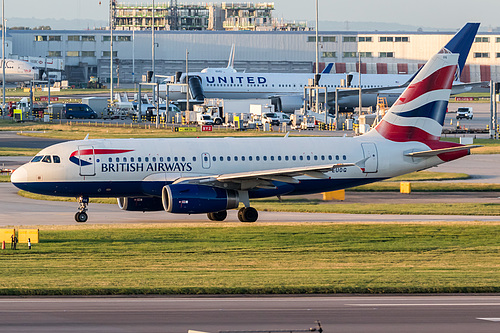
(213, 175)
(287, 89)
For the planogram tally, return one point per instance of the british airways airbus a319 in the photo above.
(213, 175)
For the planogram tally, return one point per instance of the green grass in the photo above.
(4, 178)
(7, 151)
(430, 176)
(256, 259)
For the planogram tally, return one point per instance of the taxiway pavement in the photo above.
(374, 314)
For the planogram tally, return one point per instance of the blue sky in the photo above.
(441, 14)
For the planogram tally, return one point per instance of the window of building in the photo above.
(40, 38)
(349, 39)
(401, 39)
(54, 38)
(108, 38)
(365, 39)
(108, 54)
(54, 53)
(88, 53)
(124, 38)
(349, 54)
(88, 38)
(73, 38)
(312, 39)
(365, 54)
(386, 39)
(498, 55)
(72, 53)
(482, 40)
(481, 55)
(329, 39)
(386, 55)
(328, 54)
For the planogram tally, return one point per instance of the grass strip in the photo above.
(7, 151)
(256, 259)
(388, 186)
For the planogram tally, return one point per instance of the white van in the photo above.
(283, 118)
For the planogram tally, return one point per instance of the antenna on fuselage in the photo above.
(87, 136)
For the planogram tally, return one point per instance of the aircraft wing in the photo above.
(263, 178)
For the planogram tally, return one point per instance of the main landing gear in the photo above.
(245, 214)
(81, 216)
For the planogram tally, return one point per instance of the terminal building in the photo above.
(85, 53)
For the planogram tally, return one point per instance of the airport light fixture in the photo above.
(3, 58)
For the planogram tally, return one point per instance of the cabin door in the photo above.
(370, 152)
(205, 160)
(86, 158)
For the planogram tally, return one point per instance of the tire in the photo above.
(217, 216)
(248, 214)
(92, 116)
(70, 117)
(218, 121)
(81, 217)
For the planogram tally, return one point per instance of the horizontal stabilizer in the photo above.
(435, 152)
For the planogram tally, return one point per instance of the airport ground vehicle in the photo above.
(75, 110)
(283, 118)
(270, 118)
(465, 112)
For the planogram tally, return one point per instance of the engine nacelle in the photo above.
(287, 103)
(195, 199)
(144, 204)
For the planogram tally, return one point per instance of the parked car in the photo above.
(75, 110)
(270, 118)
(283, 118)
(465, 112)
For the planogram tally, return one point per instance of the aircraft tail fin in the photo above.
(418, 114)
(328, 68)
(461, 44)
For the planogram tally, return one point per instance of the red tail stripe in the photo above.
(440, 79)
(404, 133)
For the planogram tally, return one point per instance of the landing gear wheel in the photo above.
(217, 216)
(248, 214)
(81, 217)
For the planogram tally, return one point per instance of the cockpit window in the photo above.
(47, 159)
(37, 158)
(56, 159)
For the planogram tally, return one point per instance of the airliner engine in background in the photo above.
(287, 89)
(213, 175)
(17, 71)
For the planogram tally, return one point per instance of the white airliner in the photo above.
(17, 71)
(212, 175)
(287, 89)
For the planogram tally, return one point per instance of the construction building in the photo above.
(177, 16)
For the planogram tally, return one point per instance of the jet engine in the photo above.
(140, 204)
(287, 103)
(194, 199)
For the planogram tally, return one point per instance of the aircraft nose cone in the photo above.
(20, 175)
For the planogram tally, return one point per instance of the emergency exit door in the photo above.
(370, 153)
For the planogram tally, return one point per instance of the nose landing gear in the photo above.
(81, 216)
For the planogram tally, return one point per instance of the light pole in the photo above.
(111, 16)
(153, 47)
(3, 57)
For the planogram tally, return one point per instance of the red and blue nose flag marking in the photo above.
(85, 152)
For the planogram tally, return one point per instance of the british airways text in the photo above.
(145, 167)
